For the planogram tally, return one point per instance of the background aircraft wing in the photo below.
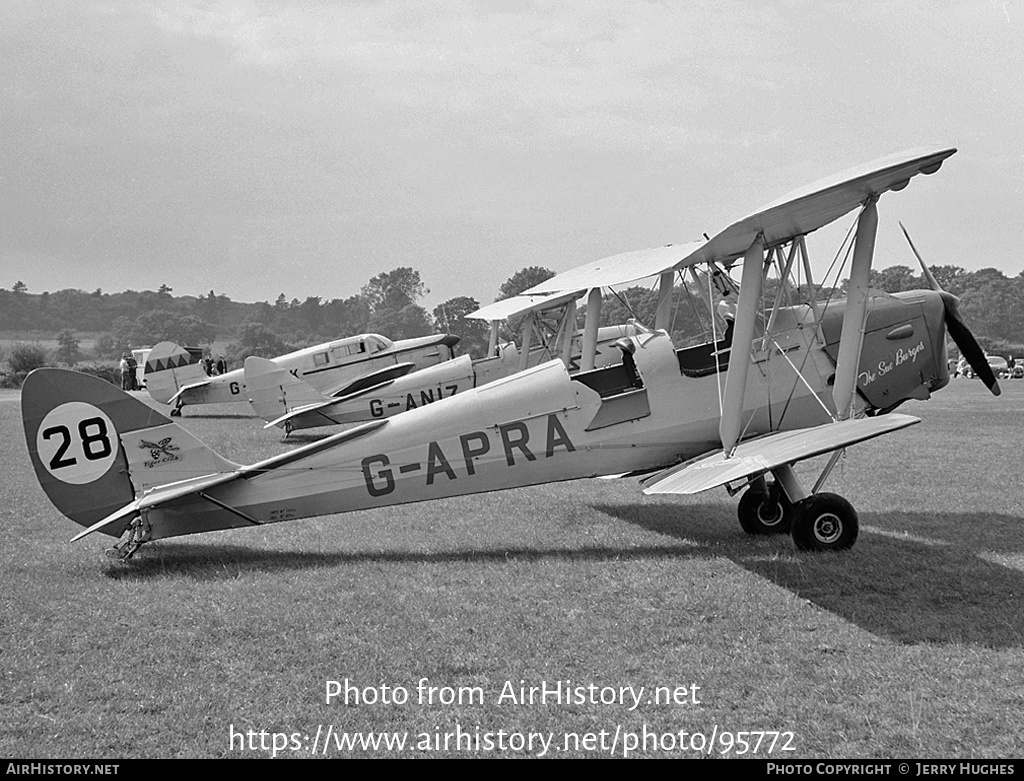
(760, 455)
(373, 379)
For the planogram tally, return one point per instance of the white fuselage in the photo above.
(331, 366)
(540, 425)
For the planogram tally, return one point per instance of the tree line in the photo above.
(389, 304)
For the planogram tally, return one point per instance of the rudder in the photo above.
(169, 368)
(95, 448)
(274, 391)
(71, 424)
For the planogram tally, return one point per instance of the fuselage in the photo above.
(540, 425)
(329, 367)
(658, 406)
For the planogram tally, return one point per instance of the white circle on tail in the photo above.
(77, 443)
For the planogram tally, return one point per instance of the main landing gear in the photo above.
(765, 509)
(824, 522)
(817, 521)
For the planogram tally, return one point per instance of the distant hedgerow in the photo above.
(24, 357)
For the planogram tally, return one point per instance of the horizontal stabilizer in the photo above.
(190, 386)
(760, 455)
(322, 408)
(305, 409)
(160, 495)
(156, 496)
(107, 525)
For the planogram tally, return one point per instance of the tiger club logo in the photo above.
(161, 452)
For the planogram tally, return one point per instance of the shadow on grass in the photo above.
(218, 562)
(932, 587)
(911, 589)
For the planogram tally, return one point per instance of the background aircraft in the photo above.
(798, 380)
(174, 375)
(548, 330)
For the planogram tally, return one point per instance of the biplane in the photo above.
(547, 331)
(174, 375)
(796, 380)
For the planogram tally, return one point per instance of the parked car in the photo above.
(997, 363)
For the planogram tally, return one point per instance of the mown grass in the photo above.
(909, 645)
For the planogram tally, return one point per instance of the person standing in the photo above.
(133, 372)
(123, 366)
(727, 305)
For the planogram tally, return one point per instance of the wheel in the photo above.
(824, 522)
(763, 512)
(176, 412)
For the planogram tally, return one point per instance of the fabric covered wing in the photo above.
(760, 455)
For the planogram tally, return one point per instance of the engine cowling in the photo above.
(904, 353)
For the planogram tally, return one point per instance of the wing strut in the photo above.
(590, 329)
(568, 332)
(492, 342)
(663, 314)
(742, 337)
(851, 338)
(527, 338)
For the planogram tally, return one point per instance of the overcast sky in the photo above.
(258, 148)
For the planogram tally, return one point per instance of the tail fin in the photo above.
(95, 448)
(274, 391)
(170, 367)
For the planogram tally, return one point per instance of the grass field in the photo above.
(911, 645)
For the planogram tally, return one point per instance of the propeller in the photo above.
(957, 328)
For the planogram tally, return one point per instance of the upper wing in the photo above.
(757, 456)
(796, 214)
(618, 269)
(520, 305)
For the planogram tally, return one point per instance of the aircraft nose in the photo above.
(450, 340)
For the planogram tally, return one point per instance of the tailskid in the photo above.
(137, 533)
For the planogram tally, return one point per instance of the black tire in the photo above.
(824, 522)
(763, 512)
